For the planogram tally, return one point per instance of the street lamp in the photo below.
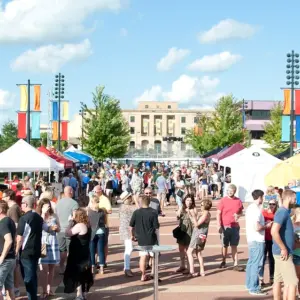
(244, 107)
(292, 77)
(59, 94)
(81, 113)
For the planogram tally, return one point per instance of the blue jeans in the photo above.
(29, 274)
(254, 265)
(98, 245)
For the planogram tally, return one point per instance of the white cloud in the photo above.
(123, 32)
(49, 20)
(186, 90)
(215, 63)
(173, 57)
(226, 30)
(6, 99)
(52, 57)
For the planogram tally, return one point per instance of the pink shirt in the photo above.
(229, 207)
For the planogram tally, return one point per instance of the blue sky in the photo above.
(119, 44)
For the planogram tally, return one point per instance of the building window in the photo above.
(196, 120)
(169, 106)
(132, 119)
(132, 131)
(146, 106)
(260, 115)
(183, 119)
(183, 130)
(183, 146)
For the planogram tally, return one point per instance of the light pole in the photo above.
(244, 107)
(59, 94)
(292, 77)
(81, 113)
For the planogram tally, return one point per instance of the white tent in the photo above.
(22, 157)
(248, 170)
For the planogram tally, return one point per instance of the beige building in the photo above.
(149, 123)
(153, 121)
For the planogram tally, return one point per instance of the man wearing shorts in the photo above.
(229, 210)
(144, 224)
(283, 246)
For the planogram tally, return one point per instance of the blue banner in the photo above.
(55, 111)
(297, 128)
(35, 125)
(285, 128)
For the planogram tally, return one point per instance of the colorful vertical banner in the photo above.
(37, 98)
(287, 102)
(22, 121)
(285, 128)
(64, 130)
(55, 131)
(54, 111)
(297, 129)
(24, 98)
(65, 111)
(145, 126)
(35, 125)
(158, 126)
(297, 102)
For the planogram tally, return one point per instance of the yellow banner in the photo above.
(54, 130)
(37, 98)
(170, 126)
(24, 98)
(145, 125)
(287, 102)
(65, 111)
(158, 126)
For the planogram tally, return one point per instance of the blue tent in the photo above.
(83, 159)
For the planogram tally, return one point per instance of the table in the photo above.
(155, 250)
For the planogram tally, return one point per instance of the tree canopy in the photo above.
(272, 134)
(223, 128)
(9, 135)
(106, 133)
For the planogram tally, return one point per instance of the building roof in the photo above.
(256, 125)
(261, 105)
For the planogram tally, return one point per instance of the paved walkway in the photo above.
(218, 284)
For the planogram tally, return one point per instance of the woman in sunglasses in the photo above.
(268, 214)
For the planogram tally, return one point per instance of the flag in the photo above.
(54, 111)
(285, 128)
(35, 125)
(37, 98)
(64, 130)
(65, 111)
(22, 122)
(24, 98)
(54, 130)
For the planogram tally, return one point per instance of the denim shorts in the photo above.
(296, 260)
(230, 236)
(7, 274)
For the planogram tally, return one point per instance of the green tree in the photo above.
(106, 132)
(42, 141)
(9, 135)
(272, 134)
(223, 128)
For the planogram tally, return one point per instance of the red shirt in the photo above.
(269, 216)
(19, 197)
(229, 207)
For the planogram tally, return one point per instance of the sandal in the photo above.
(238, 269)
(222, 265)
(128, 273)
(146, 278)
(193, 275)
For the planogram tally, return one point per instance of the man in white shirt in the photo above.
(255, 232)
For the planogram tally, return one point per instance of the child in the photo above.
(199, 236)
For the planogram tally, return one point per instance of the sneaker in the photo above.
(258, 293)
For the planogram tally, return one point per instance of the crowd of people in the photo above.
(40, 230)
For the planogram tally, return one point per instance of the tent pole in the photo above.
(49, 175)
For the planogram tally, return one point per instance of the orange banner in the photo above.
(37, 98)
(55, 131)
(297, 102)
(287, 102)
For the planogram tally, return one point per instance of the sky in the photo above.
(191, 52)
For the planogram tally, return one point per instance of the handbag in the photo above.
(44, 247)
(178, 233)
(180, 193)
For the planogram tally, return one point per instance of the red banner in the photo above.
(64, 130)
(297, 102)
(22, 125)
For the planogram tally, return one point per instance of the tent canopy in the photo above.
(227, 152)
(248, 170)
(22, 157)
(73, 149)
(84, 159)
(68, 164)
(212, 152)
(74, 160)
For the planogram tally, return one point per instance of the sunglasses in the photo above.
(148, 193)
(272, 204)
